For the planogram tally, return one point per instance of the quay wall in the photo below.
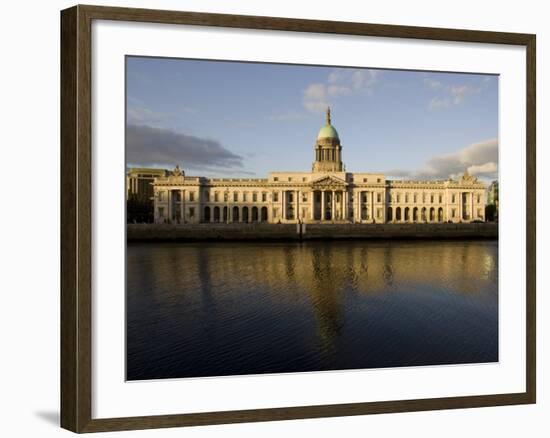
(274, 232)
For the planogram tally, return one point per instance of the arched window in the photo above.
(235, 215)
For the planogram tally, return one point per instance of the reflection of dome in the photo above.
(328, 131)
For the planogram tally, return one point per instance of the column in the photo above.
(472, 216)
(372, 206)
(298, 194)
(333, 199)
(345, 206)
(182, 205)
(358, 195)
(312, 203)
(170, 205)
(323, 205)
(446, 215)
(460, 206)
(283, 206)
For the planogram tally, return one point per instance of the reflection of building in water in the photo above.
(326, 194)
(318, 275)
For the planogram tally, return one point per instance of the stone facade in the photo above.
(327, 194)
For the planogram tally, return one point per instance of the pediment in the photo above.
(328, 181)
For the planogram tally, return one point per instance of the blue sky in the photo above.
(218, 118)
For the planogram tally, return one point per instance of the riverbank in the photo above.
(232, 232)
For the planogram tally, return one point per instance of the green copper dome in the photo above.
(328, 130)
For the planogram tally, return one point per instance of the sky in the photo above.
(239, 119)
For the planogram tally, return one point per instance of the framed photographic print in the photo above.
(270, 218)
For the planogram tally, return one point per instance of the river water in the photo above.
(213, 309)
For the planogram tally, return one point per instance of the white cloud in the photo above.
(482, 169)
(315, 97)
(439, 103)
(340, 82)
(459, 92)
(449, 95)
(481, 160)
(433, 84)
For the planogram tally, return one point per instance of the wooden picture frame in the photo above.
(76, 217)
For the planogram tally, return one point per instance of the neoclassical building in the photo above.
(326, 194)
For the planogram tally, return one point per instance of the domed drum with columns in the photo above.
(328, 151)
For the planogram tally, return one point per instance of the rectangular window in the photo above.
(440, 198)
(398, 197)
(216, 197)
(264, 197)
(407, 198)
(379, 197)
(275, 178)
(379, 213)
(254, 197)
(431, 199)
(454, 212)
(192, 212)
(415, 198)
(207, 196)
(304, 197)
(291, 197)
(478, 198)
(378, 180)
(245, 196)
(304, 179)
(275, 197)
(365, 179)
(235, 197)
(191, 196)
(453, 199)
(225, 197)
(365, 198)
(290, 178)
